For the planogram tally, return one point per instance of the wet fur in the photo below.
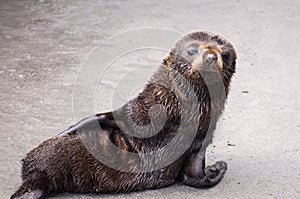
(63, 164)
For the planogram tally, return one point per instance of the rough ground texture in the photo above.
(43, 43)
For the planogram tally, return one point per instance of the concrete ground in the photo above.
(43, 43)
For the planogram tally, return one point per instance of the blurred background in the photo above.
(43, 44)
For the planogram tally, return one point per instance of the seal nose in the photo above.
(210, 58)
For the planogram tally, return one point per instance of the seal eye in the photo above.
(192, 51)
(225, 57)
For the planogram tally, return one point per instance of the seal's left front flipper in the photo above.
(196, 175)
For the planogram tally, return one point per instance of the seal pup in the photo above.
(64, 163)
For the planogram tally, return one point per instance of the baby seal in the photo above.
(201, 64)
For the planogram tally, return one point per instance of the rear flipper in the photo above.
(35, 186)
(35, 194)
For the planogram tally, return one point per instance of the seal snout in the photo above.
(210, 60)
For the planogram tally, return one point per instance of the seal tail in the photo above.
(35, 186)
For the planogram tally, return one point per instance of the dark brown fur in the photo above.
(63, 163)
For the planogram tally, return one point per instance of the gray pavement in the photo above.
(43, 43)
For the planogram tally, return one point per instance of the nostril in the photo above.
(210, 58)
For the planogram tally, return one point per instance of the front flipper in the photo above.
(104, 120)
(196, 175)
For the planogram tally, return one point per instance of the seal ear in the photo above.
(169, 61)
